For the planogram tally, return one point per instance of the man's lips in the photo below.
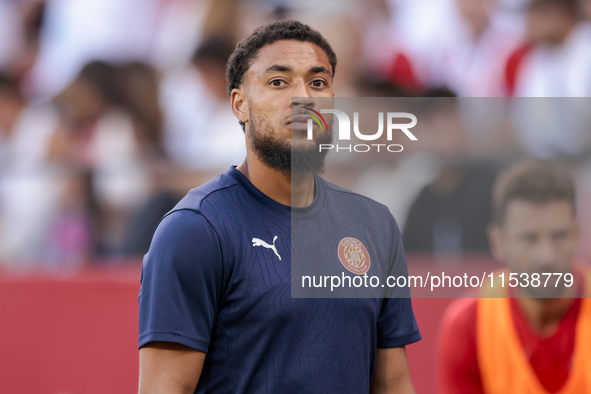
(299, 119)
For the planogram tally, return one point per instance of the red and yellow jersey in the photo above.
(504, 366)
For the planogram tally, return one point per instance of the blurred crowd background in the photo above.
(111, 110)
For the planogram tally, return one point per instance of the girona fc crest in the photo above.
(353, 255)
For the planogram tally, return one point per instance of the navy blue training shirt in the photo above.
(217, 278)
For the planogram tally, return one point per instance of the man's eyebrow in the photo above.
(283, 68)
(319, 69)
(278, 67)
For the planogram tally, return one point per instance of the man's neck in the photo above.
(276, 185)
(544, 315)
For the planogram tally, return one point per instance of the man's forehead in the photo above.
(524, 213)
(297, 55)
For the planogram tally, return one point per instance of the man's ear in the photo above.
(239, 104)
(495, 240)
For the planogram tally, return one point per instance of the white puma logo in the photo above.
(260, 242)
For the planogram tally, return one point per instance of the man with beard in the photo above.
(538, 340)
(215, 307)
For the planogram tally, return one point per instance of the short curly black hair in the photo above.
(247, 49)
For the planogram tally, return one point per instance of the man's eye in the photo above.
(318, 83)
(530, 239)
(277, 82)
(560, 236)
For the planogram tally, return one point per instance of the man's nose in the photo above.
(301, 96)
(546, 252)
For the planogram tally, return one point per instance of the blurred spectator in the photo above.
(201, 132)
(387, 53)
(420, 29)
(20, 26)
(140, 94)
(550, 127)
(182, 25)
(451, 213)
(445, 217)
(396, 179)
(101, 137)
(144, 221)
(29, 186)
(472, 63)
(555, 60)
(370, 86)
(33, 15)
(76, 32)
(71, 242)
(523, 339)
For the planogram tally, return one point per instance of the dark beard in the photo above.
(279, 155)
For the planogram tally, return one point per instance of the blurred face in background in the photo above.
(537, 238)
(549, 24)
(476, 13)
(81, 101)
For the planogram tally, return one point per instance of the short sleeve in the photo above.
(181, 282)
(397, 325)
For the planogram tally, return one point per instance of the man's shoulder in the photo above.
(356, 202)
(213, 189)
(352, 196)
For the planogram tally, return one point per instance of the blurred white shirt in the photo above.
(200, 132)
(474, 67)
(29, 187)
(76, 32)
(562, 71)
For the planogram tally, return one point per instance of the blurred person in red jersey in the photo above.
(555, 60)
(534, 339)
